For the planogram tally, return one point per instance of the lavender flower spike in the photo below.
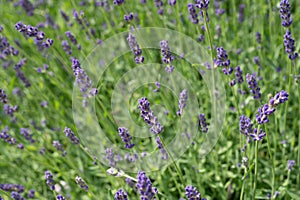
(289, 44)
(161, 148)
(245, 125)
(257, 136)
(60, 197)
(3, 96)
(49, 179)
(110, 156)
(285, 13)
(193, 13)
(182, 101)
(167, 57)
(81, 183)
(291, 163)
(252, 84)
(192, 193)
(202, 122)
(148, 116)
(202, 4)
(144, 186)
(121, 195)
(126, 137)
(71, 135)
(135, 48)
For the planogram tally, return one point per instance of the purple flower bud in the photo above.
(121, 195)
(222, 58)
(182, 101)
(167, 57)
(59, 147)
(257, 136)
(82, 184)
(239, 74)
(126, 137)
(135, 48)
(202, 123)
(202, 4)
(241, 13)
(253, 86)
(289, 44)
(192, 193)
(49, 180)
(110, 156)
(71, 136)
(31, 194)
(60, 197)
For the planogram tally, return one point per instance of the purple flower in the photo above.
(59, 147)
(27, 135)
(241, 13)
(161, 148)
(71, 136)
(167, 57)
(182, 101)
(12, 187)
(10, 110)
(258, 37)
(219, 11)
(232, 83)
(290, 165)
(172, 2)
(121, 195)
(202, 4)
(110, 156)
(253, 86)
(268, 109)
(27, 6)
(82, 184)
(3, 96)
(31, 194)
(126, 137)
(285, 13)
(71, 37)
(128, 17)
(257, 136)
(135, 48)
(289, 44)
(222, 59)
(201, 38)
(160, 5)
(148, 116)
(64, 15)
(239, 74)
(256, 61)
(16, 196)
(144, 186)
(202, 123)
(49, 180)
(245, 125)
(192, 193)
(119, 2)
(60, 197)
(157, 84)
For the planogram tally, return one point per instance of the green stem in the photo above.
(256, 165)
(298, 159)
(289, 73)
(173, 161)
(243, 187)
(271, 158)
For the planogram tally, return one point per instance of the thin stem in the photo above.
(243, 187)
(298, 159)
(289, 89)
(271, 158)
(256, 165)
(173, 161)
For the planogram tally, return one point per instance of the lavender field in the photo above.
(149, 99)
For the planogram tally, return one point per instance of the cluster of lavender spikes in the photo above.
(126, 137)
(121, 195)
(82, 184)
(202, 123)
(69, 133)
(144, 186)
(49, 180)
(182, 101)
(161, 148)
(167, 57)
(135, 48)
(252, 84)
(148, 116)
(32, 31)
(268, 109)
